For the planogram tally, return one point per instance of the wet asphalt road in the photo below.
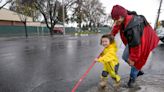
(55, 64)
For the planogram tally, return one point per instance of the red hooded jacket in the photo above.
(149, 40)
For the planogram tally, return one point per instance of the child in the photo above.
(109, 60)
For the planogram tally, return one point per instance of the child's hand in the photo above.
(96, 59)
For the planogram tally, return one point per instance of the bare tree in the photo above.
(67, 5)
(5, 3)
(49, 10)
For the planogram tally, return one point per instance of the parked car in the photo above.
(58, 30)
(160, 33)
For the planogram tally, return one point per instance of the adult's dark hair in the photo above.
(109, 36)
(132, 12)
(135, 13)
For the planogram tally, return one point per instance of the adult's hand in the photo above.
(131, 63)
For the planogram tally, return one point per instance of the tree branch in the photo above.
(5, 3)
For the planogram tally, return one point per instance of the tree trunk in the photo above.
(51, 31)
(25, 26)
(80, 25)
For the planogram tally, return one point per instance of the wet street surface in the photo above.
(46, 64)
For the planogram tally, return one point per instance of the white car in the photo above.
(160, 33)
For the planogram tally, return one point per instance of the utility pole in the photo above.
(63, 17)
(156, 23)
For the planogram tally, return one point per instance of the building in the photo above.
(11, 25)
(11, 18)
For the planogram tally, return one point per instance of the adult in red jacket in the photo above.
(138, 37)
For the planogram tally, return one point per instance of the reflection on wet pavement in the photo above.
(56, 64)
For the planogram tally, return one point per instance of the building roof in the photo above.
(8, 15)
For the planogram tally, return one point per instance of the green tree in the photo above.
(29, 5)
(78, 12)
(60, 14)
(24, 10)
(95, 13)
(89, 12)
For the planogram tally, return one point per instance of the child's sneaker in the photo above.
(118, 78)
(117, 84)
(103, 82)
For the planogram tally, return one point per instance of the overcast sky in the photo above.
(148, 8)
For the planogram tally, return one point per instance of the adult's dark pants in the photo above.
(125, 56)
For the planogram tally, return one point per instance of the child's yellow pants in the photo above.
(110, 68)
